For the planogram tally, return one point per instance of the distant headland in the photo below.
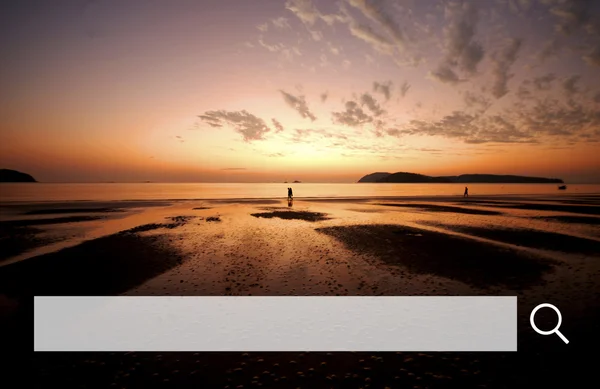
(7, 175)
(404, 177)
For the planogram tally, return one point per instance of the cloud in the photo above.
(352, 116)
(371, 103)
(572, 15)
(376, 41)
(544, 82)
(263, 27)
(324, 96)
(299, 104)
(570, 84)
(597, 98)
(249, 126)
(550, 49)
(404, 88)
(462, 51)
(272, 48)
(384, 88)
(501, 63)
(469, 128)
(281, 23)
(553, 118)
(372, 9)
(275, 155)
(277, 125)
(306, 11)
(593, 57)
(479, 102)
(301, 135)
(446, 75)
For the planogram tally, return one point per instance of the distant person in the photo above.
(289, 194)
(466, 192)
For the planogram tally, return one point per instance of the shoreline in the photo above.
(131, 203)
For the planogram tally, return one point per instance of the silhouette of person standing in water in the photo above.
(290, 197)
(466, 192)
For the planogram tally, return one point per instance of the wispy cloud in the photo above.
(373, 9)
(277, 125)
(462, 51)
(404, 88)
(502, 61)
(367, 34)
(249, 126)
(299, 104)
(352, 116)
(384, 88)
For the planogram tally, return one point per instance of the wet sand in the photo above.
(395, 246)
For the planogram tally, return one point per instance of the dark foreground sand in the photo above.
(539, 249)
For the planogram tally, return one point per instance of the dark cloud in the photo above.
(478, 102)
(368, 100)
(470, 129)
(501, 63)
(446, 75)
(550, 117)
(597, 97)
(572, 15)
(593, 56)
(404, 88)
(324, 96)
(277, 125)
(550, 49)
(299, 104)
(352, 116)
(463, 52)
(249, 126)
(570, 84)
(544, 82)
(384, 88)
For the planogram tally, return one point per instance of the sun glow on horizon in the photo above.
(302, 87)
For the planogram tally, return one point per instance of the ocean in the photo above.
(34, 192)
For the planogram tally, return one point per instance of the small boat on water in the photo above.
(562, 187)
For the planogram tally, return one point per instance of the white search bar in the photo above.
(282, 323)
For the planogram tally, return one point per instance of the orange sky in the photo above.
(299, 90)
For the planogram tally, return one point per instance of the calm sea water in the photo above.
(157, 191)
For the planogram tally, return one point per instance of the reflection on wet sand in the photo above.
(423, 246)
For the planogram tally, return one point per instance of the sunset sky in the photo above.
(310, 90)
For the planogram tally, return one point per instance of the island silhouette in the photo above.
(8, 175)
(405, 177)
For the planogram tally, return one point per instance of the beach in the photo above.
(541, 248)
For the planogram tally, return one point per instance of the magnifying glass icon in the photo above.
(552, 331)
